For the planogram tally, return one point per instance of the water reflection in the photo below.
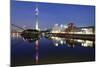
(37, 52)
(33, 38)
(87, 44)
(30, 39)
(71, 42)
(58, 41)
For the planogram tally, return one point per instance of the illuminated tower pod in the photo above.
(36, 15)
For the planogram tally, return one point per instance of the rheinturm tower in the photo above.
(36, 17)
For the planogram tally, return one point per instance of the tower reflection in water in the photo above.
(37, 52)
(34, 40)
(58, 41)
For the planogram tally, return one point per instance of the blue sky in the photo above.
(23, 13)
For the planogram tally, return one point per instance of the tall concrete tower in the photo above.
(36, 15)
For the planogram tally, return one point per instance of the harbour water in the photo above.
(50, 50)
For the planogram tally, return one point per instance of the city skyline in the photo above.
(23, 14)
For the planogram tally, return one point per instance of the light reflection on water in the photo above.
(37, 52)
(61, 41)
(38, 46)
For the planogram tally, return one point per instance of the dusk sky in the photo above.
(23, 14)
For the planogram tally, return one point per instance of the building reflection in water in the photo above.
(85, 43)
(88, 44)
(58, 41)
(72, 42)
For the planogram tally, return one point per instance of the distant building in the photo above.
(86, 30)
(80, 30)
(71, 28)
(59, 28)
(56, 29)
(63, 27)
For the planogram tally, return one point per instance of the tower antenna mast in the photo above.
(36, 15)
